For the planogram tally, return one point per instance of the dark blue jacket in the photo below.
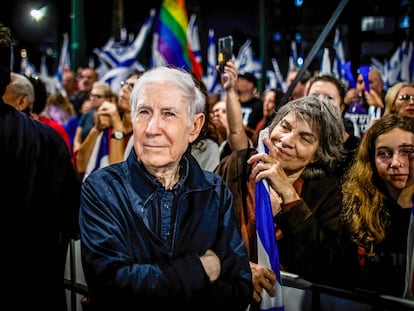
(128, 264)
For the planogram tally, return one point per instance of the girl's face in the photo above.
(58, 114)
(295, 142)
(394, 159)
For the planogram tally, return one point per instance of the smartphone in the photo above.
(225, 51)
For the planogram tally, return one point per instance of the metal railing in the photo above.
(298, 293)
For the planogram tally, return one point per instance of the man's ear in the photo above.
(23, 103)
(198, 123)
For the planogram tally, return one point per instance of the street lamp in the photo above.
(39, 14)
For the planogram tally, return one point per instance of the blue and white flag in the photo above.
(245, 61)
(407, 63)
(346, 67)
(326, 68)
(268, 253)
(293, 56)
(211, 79)
(193, 38)
(52, 83)
(64, 60)
(411, 63)
(280, 82)
(394, 66)
(339, 59)
(121, 59)
(100, 154)
(26, 67)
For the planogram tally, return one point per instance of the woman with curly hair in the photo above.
(377, 202)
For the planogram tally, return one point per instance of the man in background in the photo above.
(40, 202)
(251, 103)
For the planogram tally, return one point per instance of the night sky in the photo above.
(225, 17)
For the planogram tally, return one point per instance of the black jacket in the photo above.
(39, 204)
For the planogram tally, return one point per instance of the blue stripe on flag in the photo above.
(267, 250)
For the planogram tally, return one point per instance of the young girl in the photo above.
(375, 215)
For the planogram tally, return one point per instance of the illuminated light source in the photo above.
(298, 3)
(38, 14)
(277, 36)
(405, 22)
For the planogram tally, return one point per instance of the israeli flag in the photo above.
(326, 63)
(293, 55)
(245, 61)
(339, 59)
(120, 60)
(64, 60)
(394, 66)
(193, 38)
(26, 67)
(52, 83)
(211, 79)
(280, 82)
(100, 154)
(406, 62)
(268, 254)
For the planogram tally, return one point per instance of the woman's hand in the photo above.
(374, 99)
(263, 279)
(229, 77)
(269, 168)
(352, 96)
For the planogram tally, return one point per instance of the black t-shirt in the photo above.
(252, 112)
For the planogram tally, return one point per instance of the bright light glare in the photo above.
(39, 14)
(298, 3)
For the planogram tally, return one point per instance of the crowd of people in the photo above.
(157, 181)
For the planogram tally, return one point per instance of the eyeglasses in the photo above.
(130, 85)
(96, 96)
(406, 97)
(387, 154)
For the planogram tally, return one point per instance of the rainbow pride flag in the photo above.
(170, 43)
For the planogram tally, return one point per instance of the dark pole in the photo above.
(117, 19)
(314, 49)
(78, 51)
(263, 46)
